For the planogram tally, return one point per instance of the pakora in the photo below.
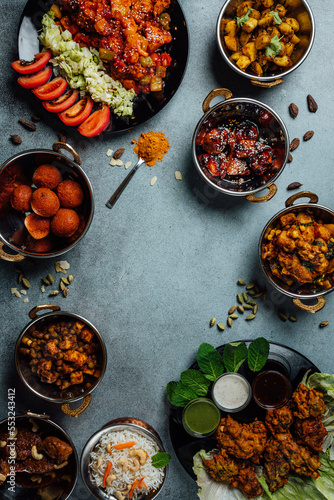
(247, 482)
(307, 403)
(310, 431)
(221, 467)
(279, 420)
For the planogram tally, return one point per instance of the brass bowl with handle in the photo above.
(301, 295)
(50, 392)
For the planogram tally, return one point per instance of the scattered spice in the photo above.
(109, 152)
(36, 118)
(153, 180)
(16, 139)
(151, 147)
(324, 323)
(294, 185)
(293, 110)
(312, 105)
(27, 125)
(294, 144)
(118, 153)
(290, 158)
(220, 326)
(61, 136)
(128, 164)
(282, 316)
(178, 175)
(212, 322)
(308, 135)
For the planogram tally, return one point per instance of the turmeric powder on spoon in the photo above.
(151, 147)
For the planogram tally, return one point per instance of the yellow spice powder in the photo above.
(151, 147)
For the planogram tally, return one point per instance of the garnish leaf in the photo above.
(234, 355)
(195, 381)
(258, 354)
(274, 47)
(210, 361)
(243, 19)
(161, 459)
(178, 394)
(276, 17)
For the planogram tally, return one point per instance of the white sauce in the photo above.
(231, 391)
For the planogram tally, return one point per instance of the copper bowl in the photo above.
(50, 392)
(21, 484)
(298, 293)
(13, 233)
(275, 134)
(298, 9)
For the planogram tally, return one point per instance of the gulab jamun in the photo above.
(47, 176)
(65, 222)
(43, 245)
(20, 198)
(45, 202)
(70, 194)
(37, 226)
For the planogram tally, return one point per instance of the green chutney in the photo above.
(201, 416)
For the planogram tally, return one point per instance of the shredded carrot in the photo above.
(106, 474)
(141, 483)
(132, 488)
(122, 446)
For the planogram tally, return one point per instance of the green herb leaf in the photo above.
(195, 381)
(161, 459)
(210, 361)
(276, 17)
(319, 278)
(234, 355)
(243, 19)
(178, 394)
(274, 47)
(308, 265)
(258, 354)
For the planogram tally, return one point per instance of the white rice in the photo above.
(153, 477)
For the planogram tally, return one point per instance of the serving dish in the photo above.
(145, 106)
(60, 486)
(13, 233)
(49, 391)
(298, 9)
(273, 136)
(118, 424)
(299, 294)
(283, 358)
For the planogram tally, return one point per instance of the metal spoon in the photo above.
(111, 202)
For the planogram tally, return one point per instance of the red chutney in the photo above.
(130, 36)
(10, 177)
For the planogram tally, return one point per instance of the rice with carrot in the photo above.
(121, 462)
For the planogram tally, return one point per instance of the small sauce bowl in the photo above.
(201, 417)
(231, 392)
(271, 389)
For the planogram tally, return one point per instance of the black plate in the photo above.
(145, 106)
(283, 358)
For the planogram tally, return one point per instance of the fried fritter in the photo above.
(242, 440)
(276, 473)
(310, 431)
(282, 447)
(247, 482)
(221, 467)
(278, 421)
(307, 403)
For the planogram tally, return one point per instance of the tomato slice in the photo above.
(96, 123)
(36, 79)
(78, 113)
(51, 90)
(63, 102)
(28, 67)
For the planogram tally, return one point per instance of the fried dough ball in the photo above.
(65, 222)
(47, 176)
(45, 202)
(278, 421)
(307, 403)
(70, 194)
(37, 226)
(310, 431)
(221, 467)
(43, 245)
(20, 198)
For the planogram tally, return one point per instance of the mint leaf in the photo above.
(234, 355)
(243, 19)
(210, 361)
(274, 47)
(161, 459)
(178, 394)
(195, 381)
(258, 354)
(276, 17)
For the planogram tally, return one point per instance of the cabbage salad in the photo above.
(83, 68)
(297, 487)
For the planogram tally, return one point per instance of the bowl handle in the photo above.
(76, 411)
(321, 301)
(7, 256)
(214, 93)
(267, 85)
(33, 313)
(57, 146)
(260, 199)
(303, 194)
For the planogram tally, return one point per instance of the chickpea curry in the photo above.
(299, 250)
(262, 36)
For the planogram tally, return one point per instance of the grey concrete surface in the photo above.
(152, 272)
